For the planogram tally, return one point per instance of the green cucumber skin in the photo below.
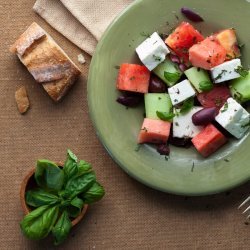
(167, 66)
(195, 76)
(240, 88)
(157, 102)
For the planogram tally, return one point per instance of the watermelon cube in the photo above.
(183, 38)
(207, 54)
(154, 131)
(209, 140)
(133, 77)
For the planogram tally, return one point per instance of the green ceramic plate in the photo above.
(186, 172)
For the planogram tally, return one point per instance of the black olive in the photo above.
(156, 85)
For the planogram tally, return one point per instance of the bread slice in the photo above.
(46, 61)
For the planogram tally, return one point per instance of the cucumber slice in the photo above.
(196, 76)
(157, 102)
(240, 88)
(168, 72)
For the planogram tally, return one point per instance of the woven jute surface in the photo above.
(131, 216)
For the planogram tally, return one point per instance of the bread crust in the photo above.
(46, 61)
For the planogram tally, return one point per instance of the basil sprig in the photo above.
(187, 105)
(59, 197)
(62, 228)
(165, 116)
(172, 77)
(240, 70)
(205, 86)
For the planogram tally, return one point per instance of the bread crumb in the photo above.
(81, 59)
(22, 100)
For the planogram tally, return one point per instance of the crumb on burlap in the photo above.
(81, 59)
(22, 100)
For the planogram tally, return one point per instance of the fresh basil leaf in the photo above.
(165, 116)
(95, 193)
(70, 171)
(83, 167)
(38, 223)
(243, 72)
(70, 168)
(37, 198)
(187, 105)
(62, 228)
(48, 175)
(72, 155)
(172, 77)
(64, 194)
(225, 108)
(205, 86)
(75, 207)
(80, 184)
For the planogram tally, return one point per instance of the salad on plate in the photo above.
(194, 88)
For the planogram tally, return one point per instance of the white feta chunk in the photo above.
(234, 118)
(180, 92)
(226, 71)
(183, 126)
(152, 51)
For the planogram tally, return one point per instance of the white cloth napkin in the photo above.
(81, 21)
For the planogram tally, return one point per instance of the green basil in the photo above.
(72, 155)
(70, 166)
(64, 194)
(62, 228)
(83, 167)
(38, 223)
(187, 105)
(95, 193)
(75, 207)
(225, 108)
(172, 77)
(37, 198)
(48, 175)
(61, 195)
(80, 184)
(205, 86)
(165, 116)
(243, 72)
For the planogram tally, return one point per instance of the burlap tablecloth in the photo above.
(131, 216)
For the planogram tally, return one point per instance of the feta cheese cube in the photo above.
(226, 71)
(183, 126)
(152, 51)
(180, 92)
(234, 118)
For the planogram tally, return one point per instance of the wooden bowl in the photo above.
(29, 183)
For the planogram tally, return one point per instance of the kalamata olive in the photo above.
(174, 58)
(204, 116)
(163, 149)
(183, 67)
(156, 85)
(191, 15)
(130, 100)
